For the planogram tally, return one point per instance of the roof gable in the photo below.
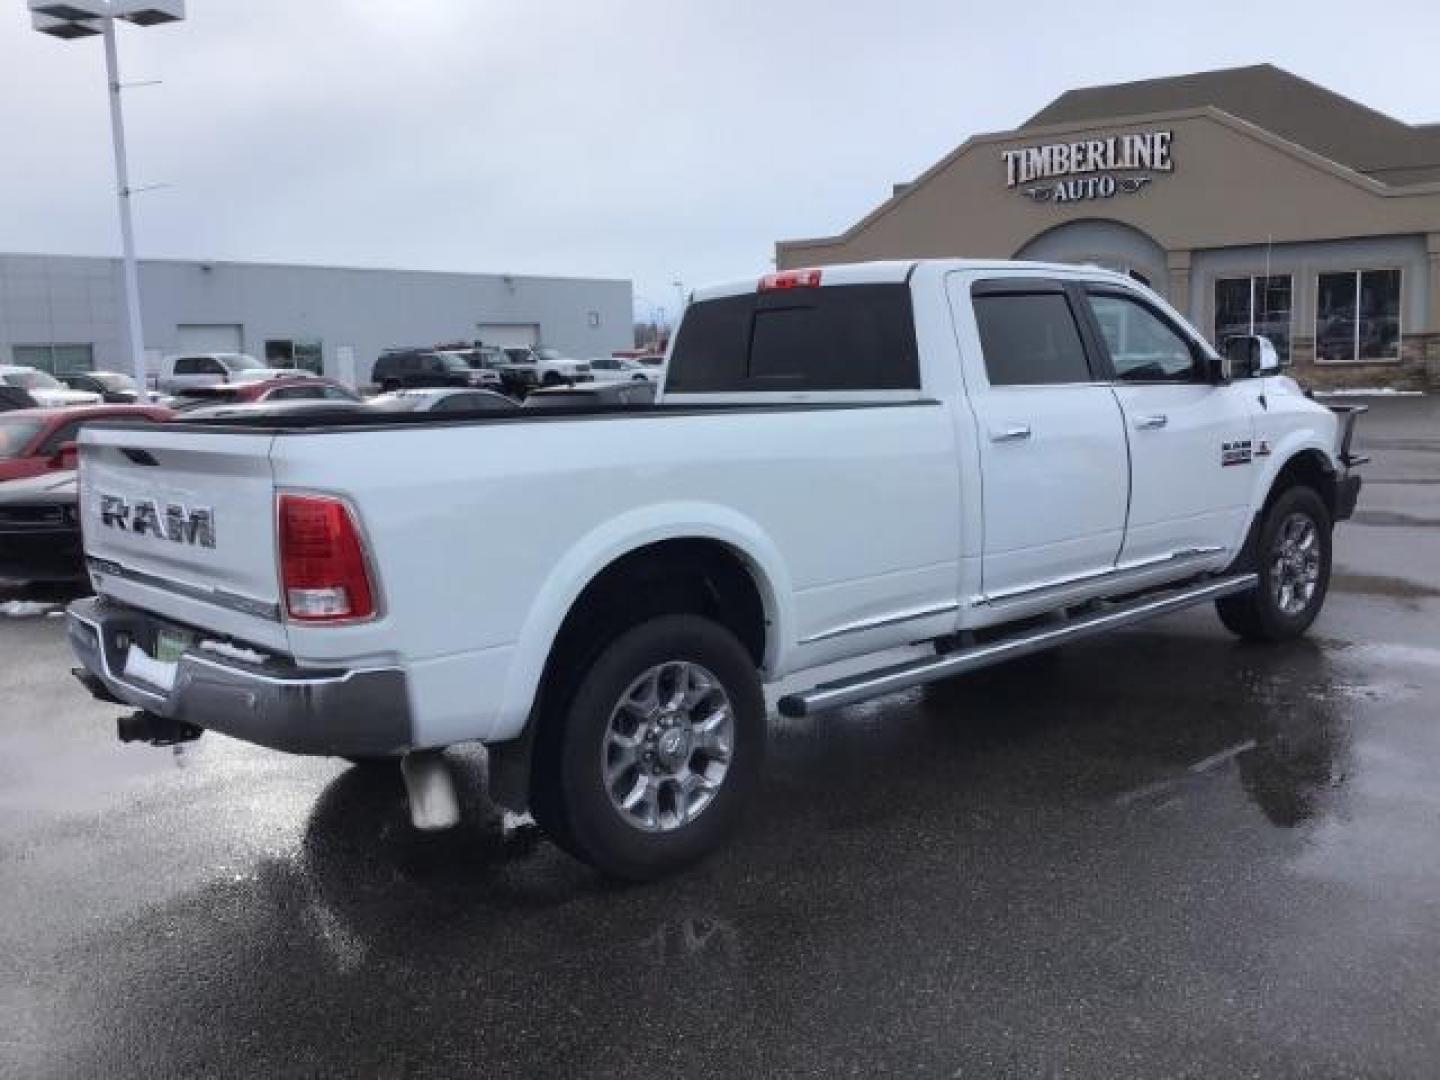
(1286, 105)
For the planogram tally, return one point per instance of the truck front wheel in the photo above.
(649, 765)
(1293, 563)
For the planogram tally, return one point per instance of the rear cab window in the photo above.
(1030, 332)
(820, 338)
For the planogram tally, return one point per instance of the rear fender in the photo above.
(616, 538)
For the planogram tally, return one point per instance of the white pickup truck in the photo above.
(990, 458)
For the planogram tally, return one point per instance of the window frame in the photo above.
(1358, 274)
(1096, 360)
(52, 349)
(1199, 357)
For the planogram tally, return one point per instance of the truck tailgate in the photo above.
(182, 523)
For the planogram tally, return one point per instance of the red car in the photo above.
(285, 388)
(35, 441)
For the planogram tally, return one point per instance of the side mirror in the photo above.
(66, 457)
(1251, 356)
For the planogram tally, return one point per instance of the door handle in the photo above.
(1014, 433)
(1151, 423)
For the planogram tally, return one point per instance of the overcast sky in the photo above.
(620, 138)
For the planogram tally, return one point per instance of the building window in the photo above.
(56, 359)
(284, 352)
(1254, 305)
(1357, 317)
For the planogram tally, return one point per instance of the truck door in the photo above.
(1191, 440)
(1054, 473)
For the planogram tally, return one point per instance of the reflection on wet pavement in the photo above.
(1160, 853)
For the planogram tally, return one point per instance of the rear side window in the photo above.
(836, 337)
(1030, 339)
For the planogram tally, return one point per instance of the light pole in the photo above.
(87, 18)
(680, 294)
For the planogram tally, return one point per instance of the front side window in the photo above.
(1143, 347)
(1357, 316)
(1254, 305)
(1030, 339)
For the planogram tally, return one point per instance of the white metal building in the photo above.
(66, 313)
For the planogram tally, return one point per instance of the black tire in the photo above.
(570, 799)
(1257, 615)
(373, 762)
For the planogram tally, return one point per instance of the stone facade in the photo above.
(1417, 369)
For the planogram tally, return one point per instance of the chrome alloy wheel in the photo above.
(668, 746)
(1295, 564)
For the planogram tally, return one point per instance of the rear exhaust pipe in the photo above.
(146, 727)
(433, 802)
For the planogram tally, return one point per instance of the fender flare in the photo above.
(1281, 455)
(617, 537)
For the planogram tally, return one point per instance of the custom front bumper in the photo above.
(270, 702)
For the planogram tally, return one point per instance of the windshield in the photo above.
(114, 381)
(548, 354)
(453, 361)
(520, 356)
(16, 433)
(241, 362)
(562, 400)
(33, 380)
(397, 402)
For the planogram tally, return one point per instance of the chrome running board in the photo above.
(833, 695)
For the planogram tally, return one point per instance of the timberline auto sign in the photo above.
(1086, 170)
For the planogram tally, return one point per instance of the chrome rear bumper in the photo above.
(354, 713)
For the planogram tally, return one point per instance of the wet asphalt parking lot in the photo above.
(1162, 853)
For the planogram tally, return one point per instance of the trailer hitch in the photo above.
(146, 727)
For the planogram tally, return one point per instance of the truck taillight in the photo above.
(322, 561)
(790, 279)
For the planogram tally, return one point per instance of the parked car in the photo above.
(276, 410)
(484, 363)
(114, 387)
(190, 370)
(36, 441)
(44, 389)
(633, 392)
(282, 388)
(40, 529)
(402, 369)
(616, 368)
(844, 460)
(529, 368)
(442, 399)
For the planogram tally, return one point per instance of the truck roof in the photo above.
(892, 271)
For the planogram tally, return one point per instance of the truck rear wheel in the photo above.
(648, 766)
(1293, 562)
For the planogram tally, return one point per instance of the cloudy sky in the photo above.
(647, 139)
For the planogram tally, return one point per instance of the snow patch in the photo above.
(1370, 391)
(26, 609)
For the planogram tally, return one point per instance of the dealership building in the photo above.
(66, 313)
(1253, 200)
